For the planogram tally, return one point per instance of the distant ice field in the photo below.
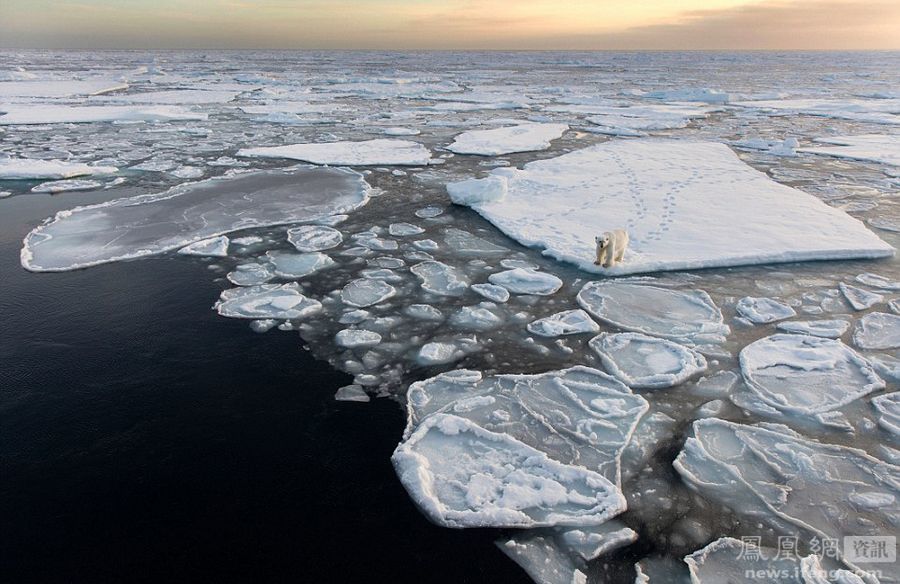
(425, 224)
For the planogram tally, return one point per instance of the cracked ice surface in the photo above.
(667, 195)
(281, 301)
(151, 224)
(795, 484)
(804, 374)
(24, 168)
(690, 316)
(763, 310)
(877, 330)
(644, 362)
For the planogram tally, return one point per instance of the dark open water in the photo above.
(145, 439)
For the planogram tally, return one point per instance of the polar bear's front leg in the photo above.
(601, 255)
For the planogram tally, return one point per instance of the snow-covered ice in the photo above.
(876, 111)
(279, 301)
(877, 281)
(437, 353)
(212, 247)
(888, 408)
(439, 278)
(644, 362)
(763, 310)
(366, 153)
(307, 238)
(685, 316)
(522, 281)
(804, 374)
(667, 195)
(477, 451)
(568, 322)
(65, 114)
(525, 137)
(883, 148)
(858, 298)
(404, 229)
(298, 265)
(67, 185)
(151, 224)
(462, 475)
(492, 292)
(878, 330)
(794, 484)
(27, 168)
(250, 274)
(364, 292)
(829, 329)
(355, 338)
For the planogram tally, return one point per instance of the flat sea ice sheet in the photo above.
(151, 224)
(370, 152)
(525, 137)
(796, 485)
(517, 450)
(66, 114)
(684, 204)
(873, 147)
(28, 168)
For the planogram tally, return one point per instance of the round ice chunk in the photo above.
(294, 265)
(642, 361)
(689, 316)
(763, 310)
(439, 278)
(353, 338)
(266, 301)
(806, 375)
(521, 281)
(308, 238)
(366, 292)
(251, 274)
(568, 322)
(878, 330)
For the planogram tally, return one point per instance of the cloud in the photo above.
(818, 24)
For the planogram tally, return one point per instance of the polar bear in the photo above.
(611, 247)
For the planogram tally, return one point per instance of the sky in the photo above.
(452, 24)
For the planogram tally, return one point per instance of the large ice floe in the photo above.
(151, 224)
(876, 111)
(872, 147)
(804, 374)
(65, 114)
(26, 168)
(524, 137)
(795, 485)
(689, 317)
(517, 450)
(366, 153)
(668, 195)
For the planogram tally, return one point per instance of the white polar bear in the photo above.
(611, 247)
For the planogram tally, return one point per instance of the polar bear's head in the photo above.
(603, 240)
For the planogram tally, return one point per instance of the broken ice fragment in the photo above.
(763, 310)
(212, 247)
(520, 281)
(284, 301)
(804, 374)
(365, 292)
(644, 362)
(307, 238)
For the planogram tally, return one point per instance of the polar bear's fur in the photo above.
(611, 247)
